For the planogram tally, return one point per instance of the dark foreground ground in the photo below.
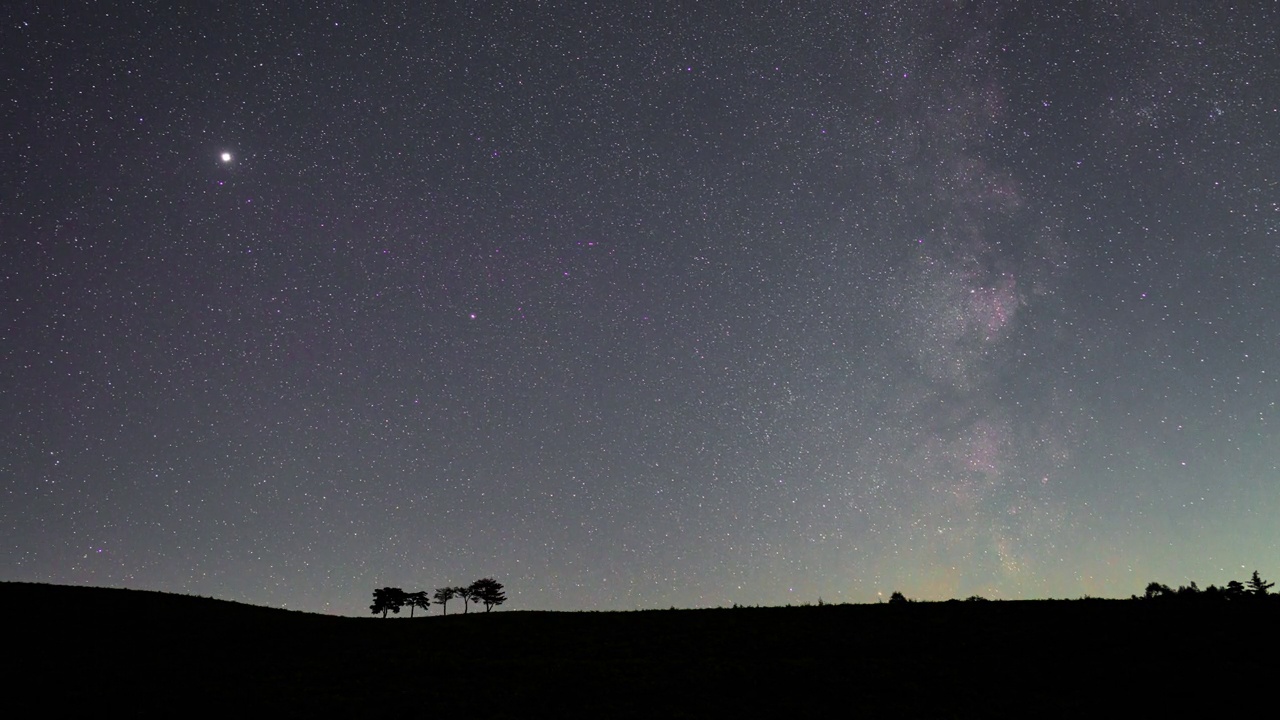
(150, 654)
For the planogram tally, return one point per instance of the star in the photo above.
(755, 334)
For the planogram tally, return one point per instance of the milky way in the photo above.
(636, 307)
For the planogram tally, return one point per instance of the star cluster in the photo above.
(632, 305)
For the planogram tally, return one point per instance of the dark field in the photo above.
(150, 653)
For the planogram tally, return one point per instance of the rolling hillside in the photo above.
(156, 654)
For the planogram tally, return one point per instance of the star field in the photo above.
(635, 306)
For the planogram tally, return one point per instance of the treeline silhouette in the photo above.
(1255, 589)
(485, 591)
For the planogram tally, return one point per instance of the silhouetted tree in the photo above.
(1257, 586)
(1234, 590)
(487, 591)
(1188, 592)
(418, 600)
(444, 595)
(465, 594)
(388, 598)
(897, 597)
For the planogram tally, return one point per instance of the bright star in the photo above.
(226, 157)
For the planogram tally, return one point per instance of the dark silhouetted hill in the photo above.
(151, 654)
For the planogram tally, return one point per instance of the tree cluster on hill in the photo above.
(1255, 589)
(485, 591)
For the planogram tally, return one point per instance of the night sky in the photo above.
(639, 305)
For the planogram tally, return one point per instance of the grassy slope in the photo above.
(153, 653)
